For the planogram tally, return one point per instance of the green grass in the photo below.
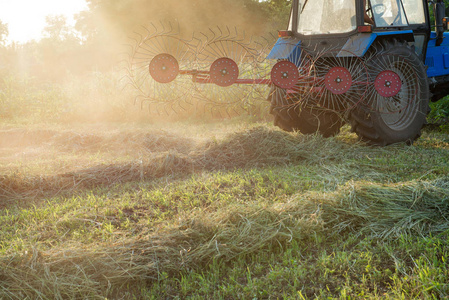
(233, 212)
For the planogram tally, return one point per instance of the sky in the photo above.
(26, 18)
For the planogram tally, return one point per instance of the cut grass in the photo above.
(192, 235)
(258, 213)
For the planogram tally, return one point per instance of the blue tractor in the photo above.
(374, 64)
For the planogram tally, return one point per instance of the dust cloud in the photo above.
(192, 15)
(70, 78)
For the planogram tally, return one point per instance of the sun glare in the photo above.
(26, 18)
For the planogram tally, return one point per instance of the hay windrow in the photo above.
(256, 147)
(24, 138)
(387, 210)
(75, 270)
(162, 164)
(63, 141)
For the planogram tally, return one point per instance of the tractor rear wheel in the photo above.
(290, 115)
(397, 101)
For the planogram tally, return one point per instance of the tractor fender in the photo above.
(356, 45)
(359, 44)
(289, 49)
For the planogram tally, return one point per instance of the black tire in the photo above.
(382, 120)
(290, 116)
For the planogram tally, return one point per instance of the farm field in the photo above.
(139, 160)
(229, 209)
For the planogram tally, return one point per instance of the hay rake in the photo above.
(216, 70)
(230, 67)
(156, 59)
(372, 64)
(221, 69)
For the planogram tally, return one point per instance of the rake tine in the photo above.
(163, 27)
(165, 110)
(147, 31)
(136, 41)
(154, 27)
(171, 27)
(221, 31)
(213, 34)
(137, 98)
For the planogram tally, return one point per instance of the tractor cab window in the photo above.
(414, 10)
(326, 16)
(388, 13)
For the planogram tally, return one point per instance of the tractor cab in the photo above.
(354, 25)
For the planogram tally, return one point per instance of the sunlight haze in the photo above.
(26, 18)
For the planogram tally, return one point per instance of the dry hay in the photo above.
(24, 138)
(18, 186)
(386, 210)
(382, 211)
(76, 271)
(155, 141)
(172, 155)
(255, 147)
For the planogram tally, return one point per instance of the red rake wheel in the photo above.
(341, 81)
(388, 83)
(224, 72)
(395, 84)
(164, 68)
(293, 81)
(155, 68)
(231, 64)
(285, 75)
(338, 80)
(282, 85)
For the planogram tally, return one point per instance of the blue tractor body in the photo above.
(357, 45)
(387, 46)
(437, 57)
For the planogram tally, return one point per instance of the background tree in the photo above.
(4, 32)
(56, 28)
(6, 53)
(60, 49)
